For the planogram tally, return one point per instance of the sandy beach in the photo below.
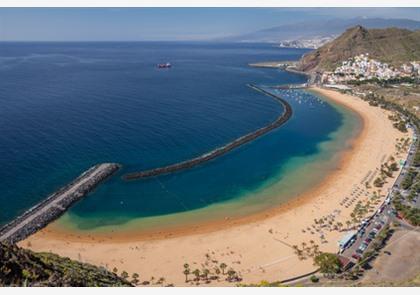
(259, 247)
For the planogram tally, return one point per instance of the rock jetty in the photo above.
(56, 204)
(286, 114)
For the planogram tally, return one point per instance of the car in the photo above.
(378, 227)
(372, 234)
(362, 247)
(359, 251)
(368, 240)
(356, 256)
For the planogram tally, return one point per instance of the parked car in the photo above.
(363, 247)
(372, 234)
(368, 240)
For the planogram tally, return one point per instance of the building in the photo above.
(345, 241)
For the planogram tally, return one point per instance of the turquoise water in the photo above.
(67, 106)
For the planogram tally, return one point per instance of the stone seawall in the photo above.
(286, 114)
(56, 204)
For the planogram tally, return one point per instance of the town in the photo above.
(363, 68)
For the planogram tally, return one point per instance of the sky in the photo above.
(147, 24)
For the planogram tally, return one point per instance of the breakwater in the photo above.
(56, 204)
(286, 114)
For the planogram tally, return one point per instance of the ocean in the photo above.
(68, 106)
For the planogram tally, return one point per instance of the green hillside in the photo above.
(21, 267)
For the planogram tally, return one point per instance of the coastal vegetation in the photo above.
(329, 264)
(211, 270)
(306, 251)
(382, 82)
(21, 267)
(409, 213)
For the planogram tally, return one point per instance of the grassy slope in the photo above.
(20, 267)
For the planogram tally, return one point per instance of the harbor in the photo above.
(56, 204)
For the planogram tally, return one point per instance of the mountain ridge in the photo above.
(319, 29)
(390, 45)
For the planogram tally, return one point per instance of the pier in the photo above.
(56, 204)
(286, 114)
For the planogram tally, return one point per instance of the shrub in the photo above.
(314, 279)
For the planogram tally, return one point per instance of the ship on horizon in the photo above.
(164, 65)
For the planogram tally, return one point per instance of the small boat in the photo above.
(164, 66)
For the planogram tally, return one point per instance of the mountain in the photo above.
(320, 29)
(391, 45)
(21, 267)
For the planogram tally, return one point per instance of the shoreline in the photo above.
(268, 255)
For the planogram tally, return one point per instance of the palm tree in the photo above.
(223, 267)
(231, 272)
(186, 273)
(186, 265)
(135, 277)
(124, 274)
(196, 272)
(348, 224)
(206, 273)
(115, 270)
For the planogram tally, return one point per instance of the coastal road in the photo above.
(73, 189)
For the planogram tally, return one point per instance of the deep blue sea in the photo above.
(67, 106)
